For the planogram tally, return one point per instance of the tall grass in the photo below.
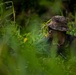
(27, 54)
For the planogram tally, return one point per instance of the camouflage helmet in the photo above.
(58, 23)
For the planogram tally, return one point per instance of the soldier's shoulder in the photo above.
(71, 38)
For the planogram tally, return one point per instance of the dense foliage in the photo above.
(20, 51)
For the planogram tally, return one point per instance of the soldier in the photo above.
(57, 28)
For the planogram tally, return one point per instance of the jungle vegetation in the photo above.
(22, 27)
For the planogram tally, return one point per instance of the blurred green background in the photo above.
(22, 28)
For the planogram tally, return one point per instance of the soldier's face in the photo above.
(55, 33)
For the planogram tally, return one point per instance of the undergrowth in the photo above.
(25, 54)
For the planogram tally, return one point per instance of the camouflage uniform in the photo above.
(59, 23)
